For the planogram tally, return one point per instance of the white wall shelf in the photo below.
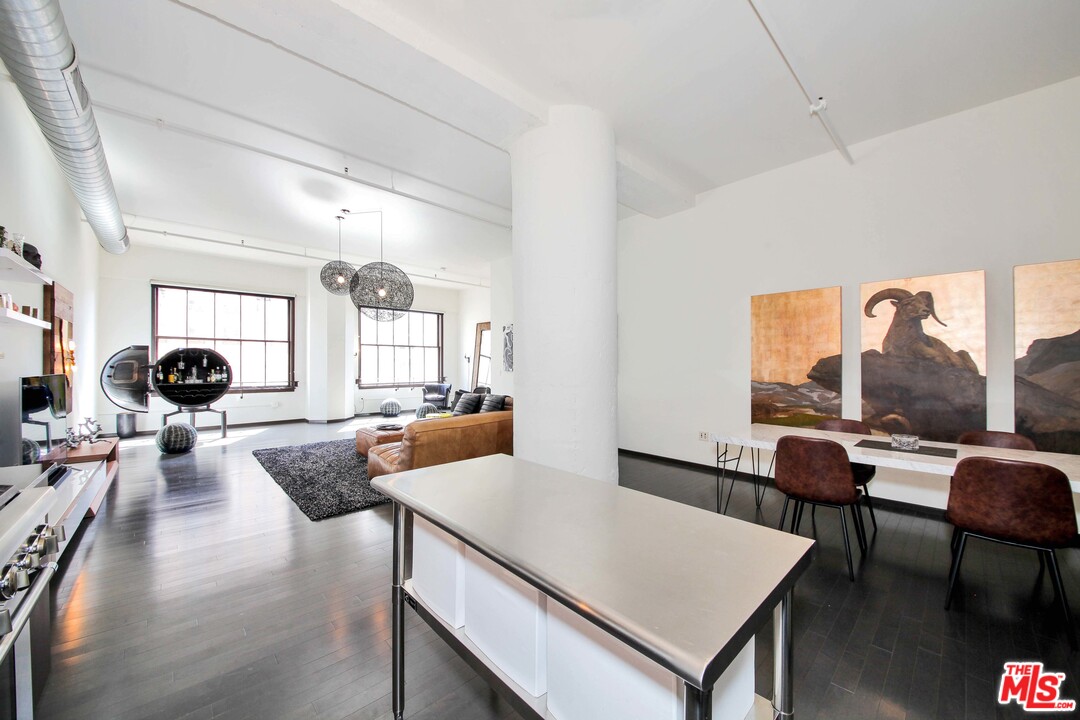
(14, 269)
(10, 317)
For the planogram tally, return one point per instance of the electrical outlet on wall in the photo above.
(703, 435)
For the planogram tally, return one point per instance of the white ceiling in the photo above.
(240, 116)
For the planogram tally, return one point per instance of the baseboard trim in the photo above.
(899, 506)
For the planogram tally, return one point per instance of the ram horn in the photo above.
(886, 294)
(929, 298)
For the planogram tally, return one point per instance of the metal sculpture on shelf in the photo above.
(336, 275)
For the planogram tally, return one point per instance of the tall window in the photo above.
(405, 352)
(253, 332)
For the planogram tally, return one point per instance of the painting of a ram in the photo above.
(924, 354)
(789, 333)
(1047, 381)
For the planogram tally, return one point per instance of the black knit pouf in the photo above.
(177, 438)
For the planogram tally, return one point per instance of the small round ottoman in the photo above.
(390, 407)
(177, 438)
(424, 410)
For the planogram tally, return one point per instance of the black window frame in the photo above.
(237, 387)
(395, 385)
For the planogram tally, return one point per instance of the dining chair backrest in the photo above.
(1012, 500)
(855, 427)
(814, 469)
(997, 439)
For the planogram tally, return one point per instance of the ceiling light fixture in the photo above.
(817, 107)
(380, 290)
(336, 274)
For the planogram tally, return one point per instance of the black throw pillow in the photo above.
(493, 403)
(467, 404)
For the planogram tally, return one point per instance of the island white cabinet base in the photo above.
(576, 592)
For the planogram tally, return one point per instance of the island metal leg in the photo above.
(722, 460)
(398, 613)
(783, 659)
(698, 703)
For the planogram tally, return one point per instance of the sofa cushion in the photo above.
(383, 459)
(468, 404)
(492, 403)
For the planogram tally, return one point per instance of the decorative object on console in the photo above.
(1047, 367)
(914, 383)
(176, 438)
(73, 439)
(336, 275)
(390, 407)
(791, 335)
(380, 290)
(89, 429)
(905, 442)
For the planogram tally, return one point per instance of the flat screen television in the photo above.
(46, 400)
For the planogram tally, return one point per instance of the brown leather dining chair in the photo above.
(863, 473)
(997, 439)
(1018, 503)
(816, 471)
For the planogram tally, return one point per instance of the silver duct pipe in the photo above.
(36, 47)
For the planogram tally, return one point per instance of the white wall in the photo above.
(502, 313)
(124, 319)
(474, 307)
(988, 188)
(35, 200)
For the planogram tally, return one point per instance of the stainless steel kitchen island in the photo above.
(679, 589)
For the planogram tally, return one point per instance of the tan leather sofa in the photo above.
(443, 440)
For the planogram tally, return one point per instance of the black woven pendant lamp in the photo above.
(380, 290)
(336, 275)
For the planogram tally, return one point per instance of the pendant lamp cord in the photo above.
(339, 219)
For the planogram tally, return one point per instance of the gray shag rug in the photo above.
(324, 479)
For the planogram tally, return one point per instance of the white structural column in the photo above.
(565, 340)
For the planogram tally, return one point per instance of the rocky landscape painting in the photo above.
(924, 355)
(1047, 317)
(790, 333)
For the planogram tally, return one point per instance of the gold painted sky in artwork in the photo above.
(959, 300)
(791, 331)
(1047, 299)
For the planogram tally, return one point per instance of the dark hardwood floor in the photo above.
(201, 591)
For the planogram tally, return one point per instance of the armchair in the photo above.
(438, 394)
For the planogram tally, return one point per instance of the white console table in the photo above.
(760, 436)
(684, 588)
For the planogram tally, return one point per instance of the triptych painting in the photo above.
(791, 333)
(923, 355)
(1047, 402)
